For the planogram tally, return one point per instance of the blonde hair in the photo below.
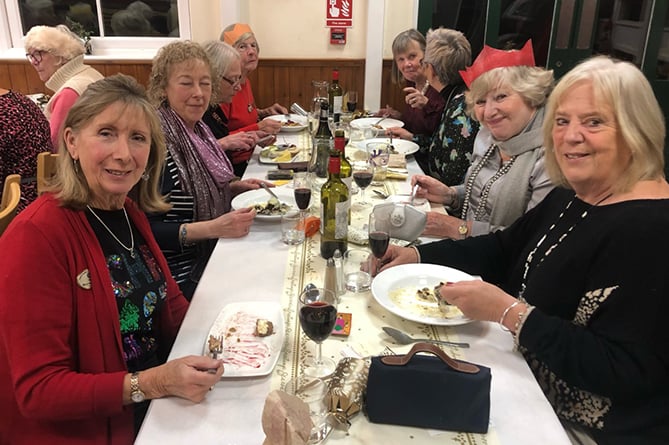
(401, 44)
(70, 184)
(172, 54)
(58, 40)
(532, 83)
(221, 55)
(622, 88)
(448, 51)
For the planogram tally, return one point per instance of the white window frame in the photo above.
(11, 36)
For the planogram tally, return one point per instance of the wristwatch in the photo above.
(463, 230)
(136, 394)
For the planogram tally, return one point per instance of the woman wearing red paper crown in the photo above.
(507, 177)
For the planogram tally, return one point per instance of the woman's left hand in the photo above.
(244, 185)
(272, 110)
(477, 299)
(415, 98)
(399, 132)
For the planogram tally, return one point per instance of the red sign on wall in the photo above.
(339, 13)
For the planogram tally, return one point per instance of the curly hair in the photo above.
(172, 54)
(534, 84)
(56, 40)
(624, 90)
(448, 51)
(70, 184)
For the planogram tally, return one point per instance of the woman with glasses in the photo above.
(57, 54)
(242, 113)
(197, 177)
(227, 68)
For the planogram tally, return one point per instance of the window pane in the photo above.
(150, 18)
(52, 13)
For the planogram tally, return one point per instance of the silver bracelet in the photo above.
(506, 311)
(183, 236)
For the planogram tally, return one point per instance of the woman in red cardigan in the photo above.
(88, 307)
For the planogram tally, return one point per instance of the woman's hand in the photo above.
(440, 225)
(415, 98)
(433, 189)
(399, 132)
(188, 377)
(242, 141)
(388, 111)
(264, 138)
(272, 110)
(394, 256)
(269, 126)
(245, 185)
(233, 224)
(479, 300)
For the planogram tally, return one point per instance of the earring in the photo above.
(76, 165)
(145, 176)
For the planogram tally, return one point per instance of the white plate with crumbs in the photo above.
(408, 291)
(245, 354)
(291, 122)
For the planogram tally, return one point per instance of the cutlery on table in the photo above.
(215, 350)
(405, 339)
(268, 190)
(380, 194)
(413, 193)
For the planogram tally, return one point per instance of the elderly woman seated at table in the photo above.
(446, 153)
(507, 176)
(227, 69)
(88, 308)
(197, 177)
(57, 54)
(566, 278)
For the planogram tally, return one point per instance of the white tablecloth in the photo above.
(252, 269)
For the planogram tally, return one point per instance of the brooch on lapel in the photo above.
(84, 279)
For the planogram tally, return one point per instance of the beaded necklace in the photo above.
(549, 250)
(487, 187)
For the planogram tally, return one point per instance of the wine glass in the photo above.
(318, 314)
(378, 235)
(302, 191)
(363, 172)
(352, 101)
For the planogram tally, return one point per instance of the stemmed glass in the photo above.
(318, 314)
(378, 235)
(363, 172)
(352, 101)
(302, 191)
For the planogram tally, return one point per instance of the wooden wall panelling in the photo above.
(5, 80)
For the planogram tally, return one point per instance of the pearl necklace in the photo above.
(486, 188)
(530, 256)
(130, 249)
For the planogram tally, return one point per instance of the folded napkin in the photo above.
(285, 420)
(397, 160)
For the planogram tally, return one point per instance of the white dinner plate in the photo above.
(385, 123)
(424, 206)
(259, 196)
(244, 354)
(400, 145)
(299, 123)
(395, 289)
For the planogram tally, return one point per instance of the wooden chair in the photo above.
(11, 194)
(46, 168)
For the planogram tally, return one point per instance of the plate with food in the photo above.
(398, 145)
(279, 153)
(290, 122)
(251, 336)
(411, 291)
(266, 207)
(376, 122)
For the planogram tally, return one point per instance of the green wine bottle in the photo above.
(335, 204)
(335, 94)
(322, 145)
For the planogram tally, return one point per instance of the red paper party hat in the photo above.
(491, 58)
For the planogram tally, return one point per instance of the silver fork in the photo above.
(215, 351)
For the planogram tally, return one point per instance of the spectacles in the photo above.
(233, 83)
(243, 47)
(35, 56)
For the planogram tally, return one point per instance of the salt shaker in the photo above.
(339, 272)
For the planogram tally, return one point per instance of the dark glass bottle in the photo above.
(335, 204)
(322, 144)
(335, 94)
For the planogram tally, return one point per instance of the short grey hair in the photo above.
(56, 40)
(448, 51)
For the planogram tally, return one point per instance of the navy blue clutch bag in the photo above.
(429, 391)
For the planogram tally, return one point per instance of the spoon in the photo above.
(405, 339)
(380, 194)
(310, 288)
(413, 193)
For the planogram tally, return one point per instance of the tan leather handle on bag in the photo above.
(400, 360)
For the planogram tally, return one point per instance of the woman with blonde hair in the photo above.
(88, 307)
(57, 54)
(507, 176)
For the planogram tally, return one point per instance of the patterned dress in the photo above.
(24, 132)
(447, 153)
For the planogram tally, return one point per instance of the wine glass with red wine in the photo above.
(363, 173)
(352, 101)
(302, 191)
(378, 235)
(318, 314)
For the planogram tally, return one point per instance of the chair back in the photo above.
(11, 194)
(47, 163)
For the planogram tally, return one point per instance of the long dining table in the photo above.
(261, 268)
